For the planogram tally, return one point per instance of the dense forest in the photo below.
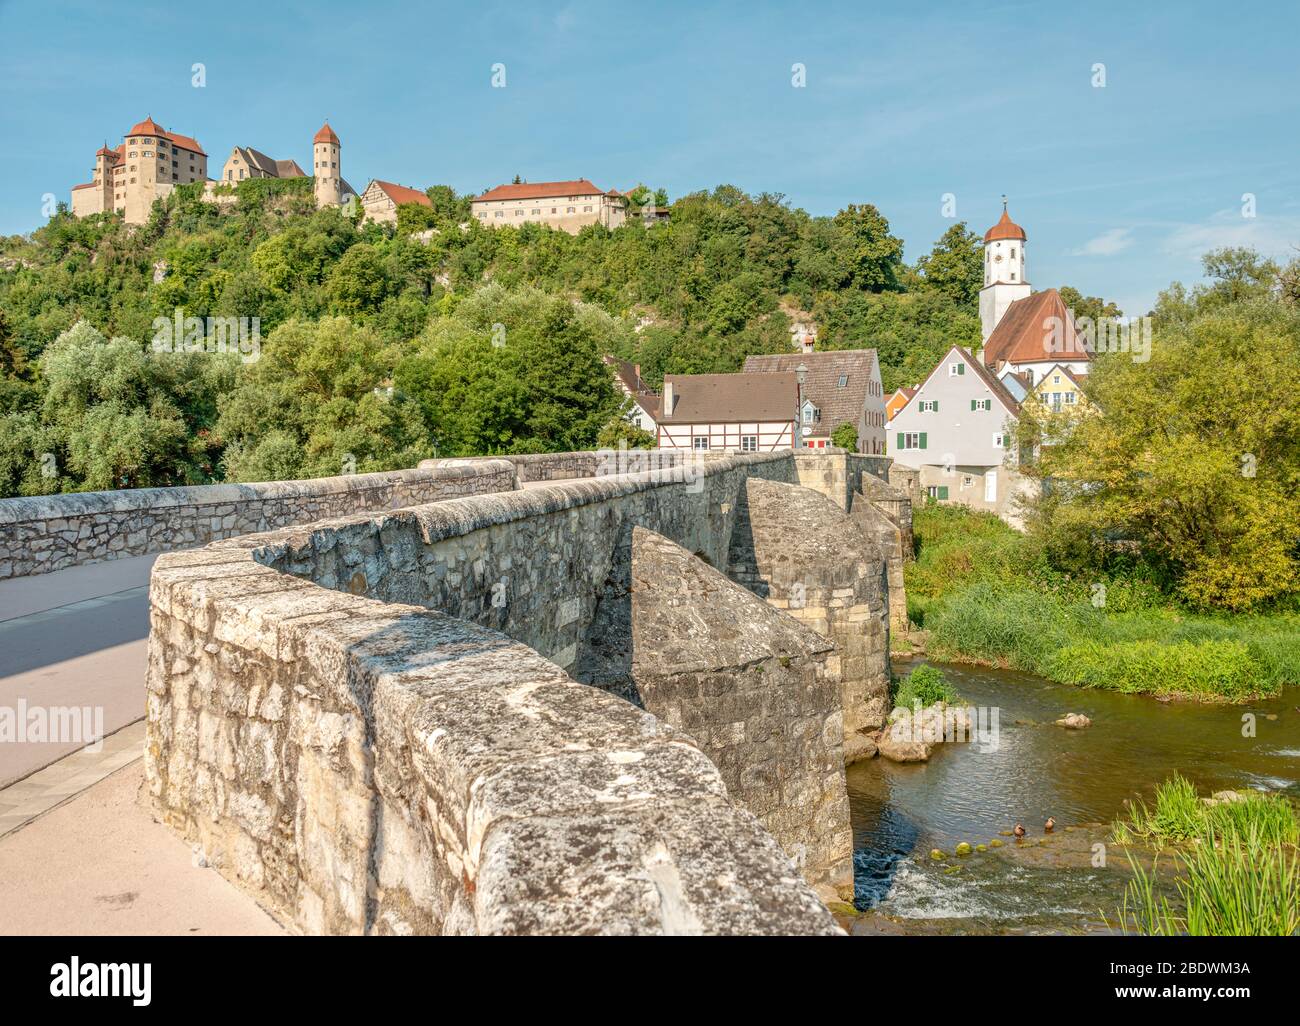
(380, 346)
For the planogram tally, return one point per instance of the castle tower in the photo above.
(105, 177)
(326, 161)
(1004, 271)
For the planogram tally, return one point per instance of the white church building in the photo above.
(1023, 332)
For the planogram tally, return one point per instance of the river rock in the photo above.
(910, 737)
(1074, 721)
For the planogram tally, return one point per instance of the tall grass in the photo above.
(984, 596)
(1239, 877)
(1178, 814)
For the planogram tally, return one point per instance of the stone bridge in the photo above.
(620, 702)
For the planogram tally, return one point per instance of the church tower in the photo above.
(326, 161)
(1004, 271)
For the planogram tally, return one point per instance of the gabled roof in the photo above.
(825, 368)
(627, 373)
(400, 194)
(1027, 332)
(541, 190)
(996, 388)
(1076, 379)
(269, 165)
(727, 398)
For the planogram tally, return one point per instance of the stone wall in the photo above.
(565, 466)
(807, 557)
(530, 563)
(364, 762)
(884, 514)
(838, 473)
(362, 767)
(757, 690)
(46, 533)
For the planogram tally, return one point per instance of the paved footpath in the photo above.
(73, 639)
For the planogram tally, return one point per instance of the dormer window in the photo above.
(843, 382)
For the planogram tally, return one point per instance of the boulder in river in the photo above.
(1074, 721)
(912, 734)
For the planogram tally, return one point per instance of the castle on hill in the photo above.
(151, 161)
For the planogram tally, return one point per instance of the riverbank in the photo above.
(983, 596)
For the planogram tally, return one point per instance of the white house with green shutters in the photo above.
(957, 431)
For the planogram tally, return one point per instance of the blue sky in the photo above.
(1119, 188)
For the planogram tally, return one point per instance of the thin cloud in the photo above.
(1106, 244)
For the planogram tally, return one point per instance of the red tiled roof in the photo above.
(400, 194)
(541, 190)
(1004, 229)
(185, 142)
(326, 135)
(1027, 332)
(147, 127)
(150, 127)
(88, 185)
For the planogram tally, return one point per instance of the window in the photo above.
(929, 406)
(501, 213)
(586, 209)
(1056, 379)
(537, 211)
(700, 442)
(844, 380)
(912, 440)
(999, 440)
(939, 492)
(956, 369)
(749, 443)
(1069, 398)
(568, 210)
(981, 404)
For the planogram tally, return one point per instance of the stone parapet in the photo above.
(51, 532)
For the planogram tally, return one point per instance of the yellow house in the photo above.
(1061, 389)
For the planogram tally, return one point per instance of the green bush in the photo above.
(1208, 669)
(924, 686)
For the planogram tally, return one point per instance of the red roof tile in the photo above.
(400, 194)
(1028, 332)
(541, 190)
(326, 135)
(1005, 229)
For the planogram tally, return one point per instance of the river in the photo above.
(1057, 883)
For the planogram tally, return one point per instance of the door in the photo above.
(991, 486)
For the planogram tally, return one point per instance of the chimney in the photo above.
(668, 398)
(808, 342)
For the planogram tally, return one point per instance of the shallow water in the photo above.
(1035, 770)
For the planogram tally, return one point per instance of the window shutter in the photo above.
(972, 404)
(1006, 440)
(961, 368)
(923, 439)
(943, 491)
(934, 406)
